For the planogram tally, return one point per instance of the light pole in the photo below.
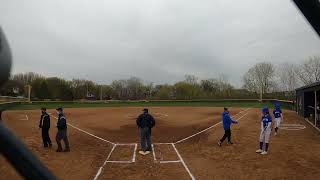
(29, 87)
(100, 92)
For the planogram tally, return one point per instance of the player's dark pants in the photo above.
(45, 137)
(62, 135)
(227, 134)
(145, 135)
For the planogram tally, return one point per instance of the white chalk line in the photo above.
(126, 144)
(180, 157)
(135, 144)
(86, 132)
(26, 119)
(166, 162)
(184, 139)
(292, 127)
(161, 161)
(134, 153)
(153, 153)
(183, 163)
(118, 162)
(104, 163)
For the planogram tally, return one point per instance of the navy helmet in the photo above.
(265, 110)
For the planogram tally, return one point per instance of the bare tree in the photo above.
(309, 71)
(259, 78)
(26, 78)
(249, 81)
(287, 77)
(191, 79)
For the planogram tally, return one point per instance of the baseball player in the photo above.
(266, 128)
(227, 121)
(44, 125)
(277, 113)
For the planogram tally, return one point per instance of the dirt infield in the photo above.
(294, 154)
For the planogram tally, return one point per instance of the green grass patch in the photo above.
(224, 103)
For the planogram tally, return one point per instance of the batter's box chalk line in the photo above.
(162, 161)
(25, 118)
(114, 145)
(174, 147)
(135, 145)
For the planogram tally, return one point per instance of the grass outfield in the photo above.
(225, 103)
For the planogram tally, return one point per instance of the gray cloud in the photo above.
(159, 41)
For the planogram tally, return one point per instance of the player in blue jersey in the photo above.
(266, 128)
(226, 121)
(277, 113)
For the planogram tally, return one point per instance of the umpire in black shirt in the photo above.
(62, 132)
(45, 126)
(145, 122)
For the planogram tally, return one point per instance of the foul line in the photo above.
(136, 146)
(184, 139)
(104, 163)
(88, 133)
(183, 163)
(119, 162)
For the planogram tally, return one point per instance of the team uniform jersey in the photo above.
(277, 113)
(266, 122)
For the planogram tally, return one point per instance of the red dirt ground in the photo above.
(292, 155)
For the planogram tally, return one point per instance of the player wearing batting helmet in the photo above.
(277, 113)
(266, 121)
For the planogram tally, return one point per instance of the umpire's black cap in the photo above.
(43, 108)
(145, 110)
(59, 109)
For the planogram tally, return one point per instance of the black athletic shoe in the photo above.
(230, 142)
(59, 150)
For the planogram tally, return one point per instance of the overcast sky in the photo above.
(157, 40)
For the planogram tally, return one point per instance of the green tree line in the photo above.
(262, 78)
(54, 88)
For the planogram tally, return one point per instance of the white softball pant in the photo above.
(277, 122)
(265, 136)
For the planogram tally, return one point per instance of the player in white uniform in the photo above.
(277, 113)
(266, 128)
